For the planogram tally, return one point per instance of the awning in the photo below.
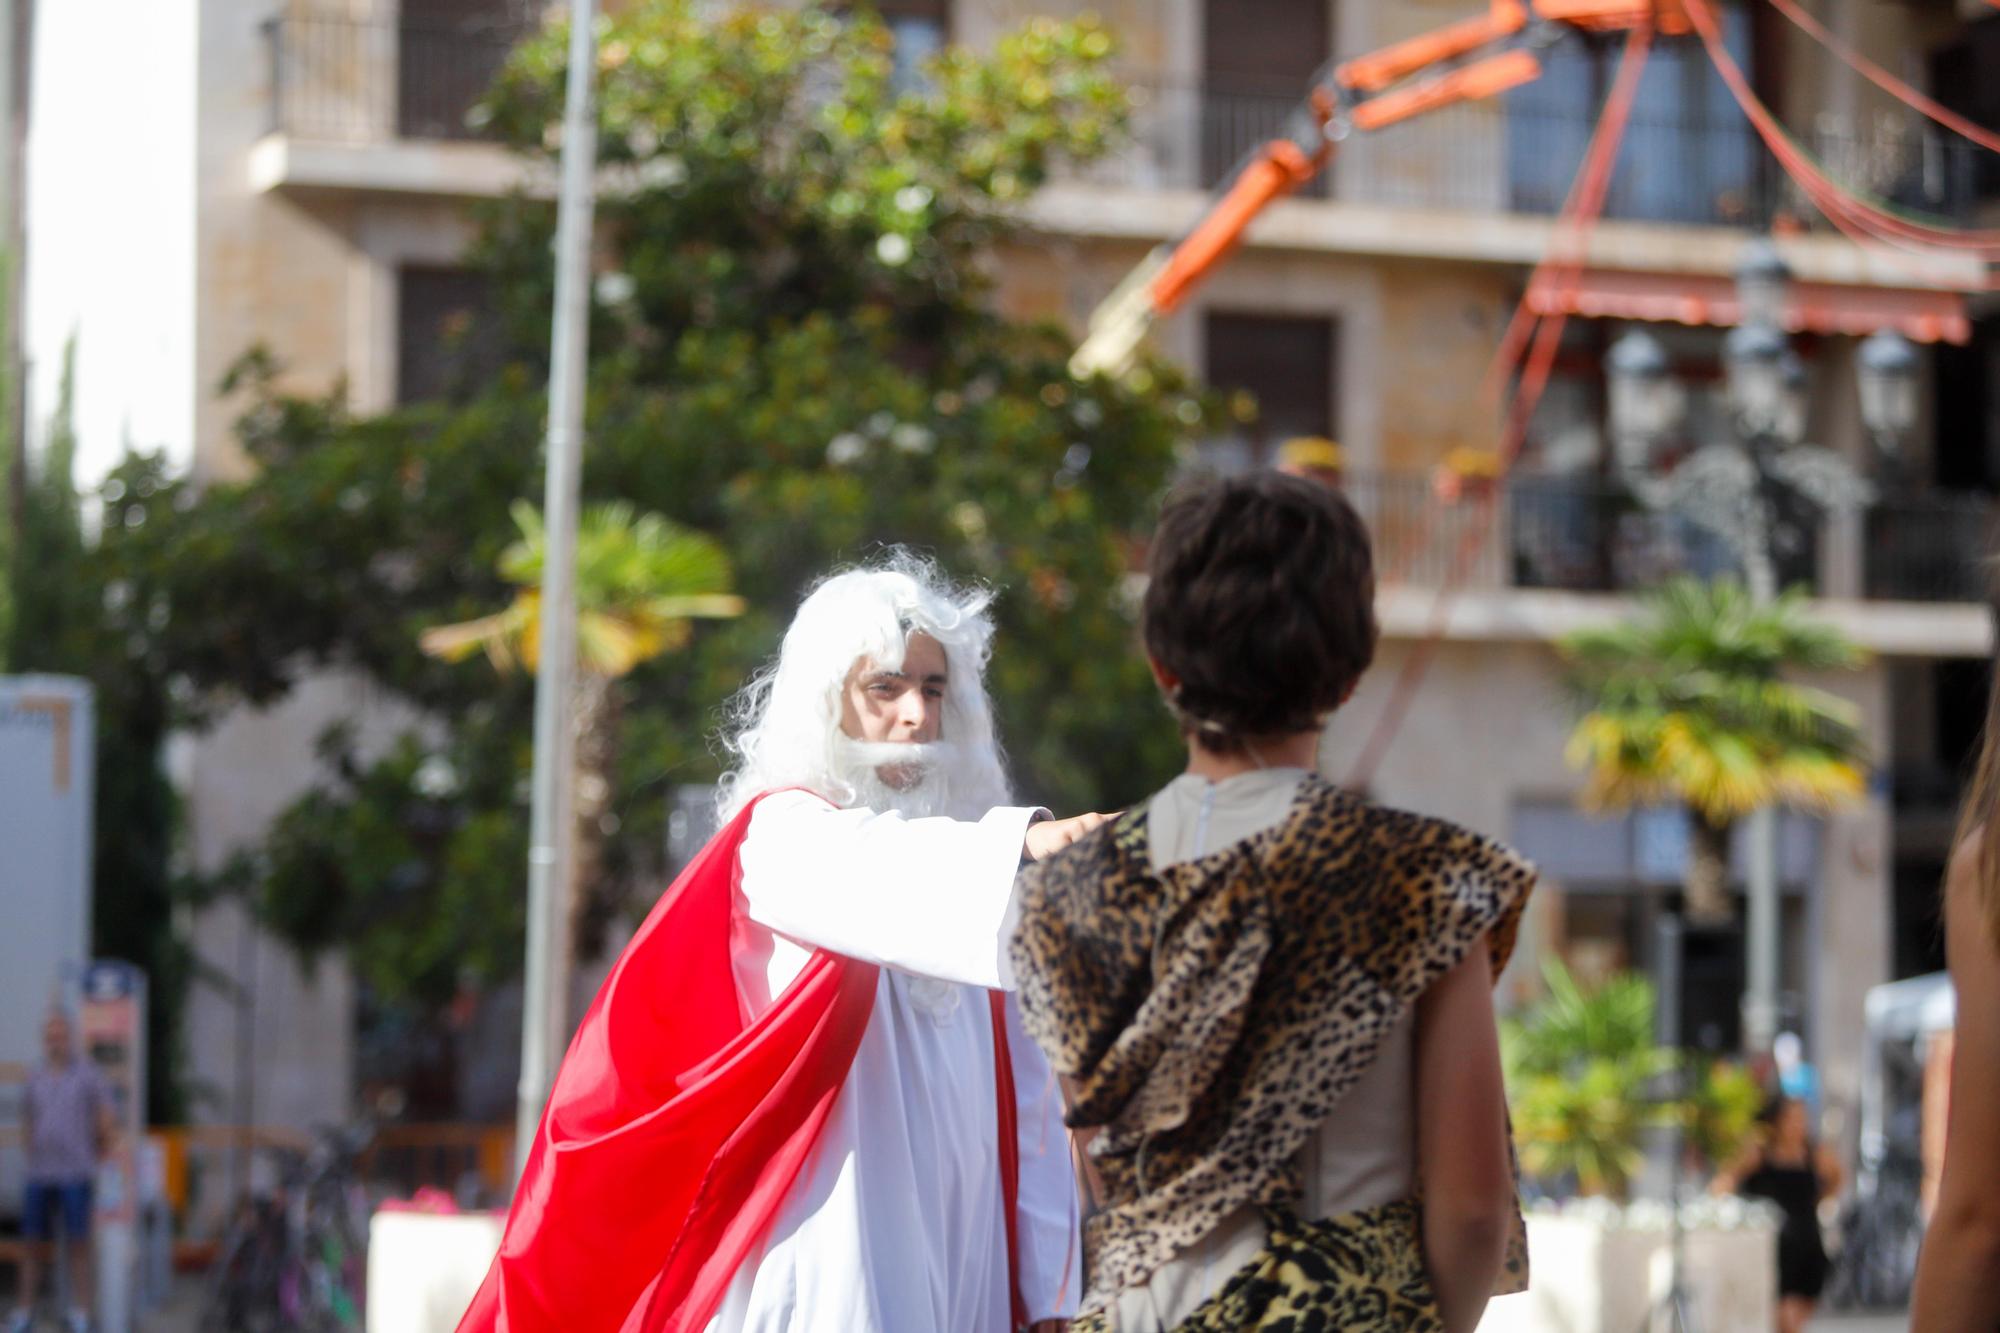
(1921, 314)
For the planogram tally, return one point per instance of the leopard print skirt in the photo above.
(1360, 1272)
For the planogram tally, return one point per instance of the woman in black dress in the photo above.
(1788, 1168)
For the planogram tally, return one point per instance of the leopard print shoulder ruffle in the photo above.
(1209, 1017)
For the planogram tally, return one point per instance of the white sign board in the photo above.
(47, 776)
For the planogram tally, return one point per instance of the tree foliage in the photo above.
(792, 350)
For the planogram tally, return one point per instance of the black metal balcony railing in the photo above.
(1583, 535)
(346, 80)
(350, 80)
(1932, 549)
(1500, 157)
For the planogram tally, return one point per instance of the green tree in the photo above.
(793, 349)
(640, 582)
(1688, 702)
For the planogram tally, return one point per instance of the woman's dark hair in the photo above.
(1261, 604)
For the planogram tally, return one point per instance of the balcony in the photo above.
(1497, 157)
(340, 84)
(384, 105)
(344, 80)
(1582, 535)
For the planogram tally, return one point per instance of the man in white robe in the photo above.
(884, 834)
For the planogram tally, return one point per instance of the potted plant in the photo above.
(1586, 1081)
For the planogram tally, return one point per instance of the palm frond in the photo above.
(640, 580)
(1689, 698)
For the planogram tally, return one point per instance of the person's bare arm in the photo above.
(1956, 1289)
(1730, 1178)
(106, 1124)
(1832, 1176)
(1462, 1157)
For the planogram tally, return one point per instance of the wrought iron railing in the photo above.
(1504, 157)
(1931, 548)
(347, 80)
(1580, 534)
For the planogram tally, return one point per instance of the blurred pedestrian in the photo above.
(1786, 1166)
(1958, 1274)
(1314, 458)
(68, 1122)
(1271, 1000)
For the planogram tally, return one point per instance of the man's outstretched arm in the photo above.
(927, 896)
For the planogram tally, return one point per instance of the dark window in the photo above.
(1965, 454)
(1688, 154)
(1962, 78)
(448, 340)
(1258, 59)
(448, 54)
(1286, 363)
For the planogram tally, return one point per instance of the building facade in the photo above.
(300, 176)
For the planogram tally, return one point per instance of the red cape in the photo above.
(674, 1129)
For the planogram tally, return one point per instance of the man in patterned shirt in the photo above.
(67, 1124)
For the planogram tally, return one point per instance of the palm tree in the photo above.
(1688, 702)
(640, 582)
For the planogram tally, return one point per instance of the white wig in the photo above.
(785, 724)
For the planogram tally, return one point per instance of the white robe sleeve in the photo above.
(1048, 1212)
(925, 896)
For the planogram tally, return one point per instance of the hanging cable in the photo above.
(1886, 81)
(1588, 197)
(1840, 204)
(1560, 268)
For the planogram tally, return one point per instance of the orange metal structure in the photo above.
(1484, 78)
(1457, 63)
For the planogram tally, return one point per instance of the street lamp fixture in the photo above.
(1753, 359)
(1763, 280)
(1791, 425)
(1886, 367)
(1643, 400)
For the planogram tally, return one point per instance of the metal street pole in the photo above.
(545, 1002)
(1760, 999)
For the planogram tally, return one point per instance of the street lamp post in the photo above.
(551, 820)
(1750, 491)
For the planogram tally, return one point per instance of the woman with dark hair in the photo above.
(1271, 1002)
(1786, 1167)
(1958, 1274)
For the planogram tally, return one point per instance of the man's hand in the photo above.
(1052, 835)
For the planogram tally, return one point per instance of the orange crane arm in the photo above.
(1366, 94)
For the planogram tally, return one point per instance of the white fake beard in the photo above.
(926, 779)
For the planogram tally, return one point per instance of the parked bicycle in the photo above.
(294, 1261)
(1880, 1231)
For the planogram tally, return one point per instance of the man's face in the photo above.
(897, 707)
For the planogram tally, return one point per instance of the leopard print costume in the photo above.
(1210, 1016)
(1361, 1270)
